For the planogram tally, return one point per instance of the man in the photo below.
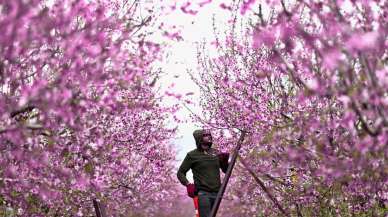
(205, 163)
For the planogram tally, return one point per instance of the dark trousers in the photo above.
(205, 202)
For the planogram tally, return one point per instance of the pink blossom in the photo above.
(184, 9)
(331, 58)
(263, 37)
(225, 7)
(362, 41)
(246, 5)
(205, 2)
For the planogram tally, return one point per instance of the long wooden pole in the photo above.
(100, 210)
(227, 175)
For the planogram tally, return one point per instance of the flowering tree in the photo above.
(80, 119)
(308, 81)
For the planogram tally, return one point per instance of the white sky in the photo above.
(182, 57)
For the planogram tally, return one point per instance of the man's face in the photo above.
(207, 141)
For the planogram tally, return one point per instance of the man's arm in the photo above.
(185, 166)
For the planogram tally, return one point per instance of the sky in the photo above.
(181, 58)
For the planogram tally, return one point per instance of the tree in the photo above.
(80, 118)
(308, 81)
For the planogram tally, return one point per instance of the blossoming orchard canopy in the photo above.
(86, 130)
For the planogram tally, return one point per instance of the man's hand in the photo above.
(190, 190)
(223, 159)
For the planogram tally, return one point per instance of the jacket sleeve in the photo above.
(185, 166)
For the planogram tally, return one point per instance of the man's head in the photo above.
(203, 139)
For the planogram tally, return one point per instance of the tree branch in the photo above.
(265, 189)
(27, 108)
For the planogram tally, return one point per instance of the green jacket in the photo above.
(205, 168)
